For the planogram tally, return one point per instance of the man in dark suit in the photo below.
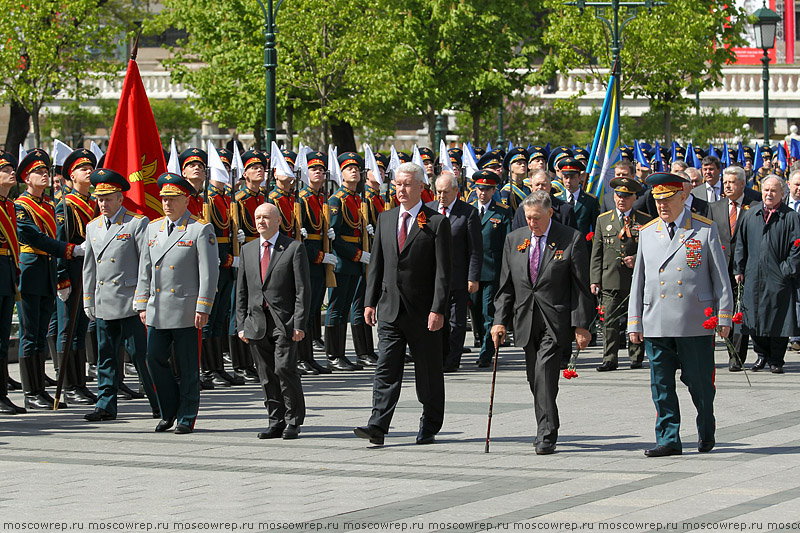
(728, 213)
(544, 288)
(467, 246)
(409, 284)
(562, 211)
(584, 205)
(273, 294)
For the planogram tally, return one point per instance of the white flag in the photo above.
(215, 165)
(278, 162)
(333, 165)
(60, 152)
(173, 165)
(371, 164)
(444, 158)
(98, 153)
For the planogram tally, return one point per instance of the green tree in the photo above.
(676, 49)
(52, 47)
(175, 119)
(74, 119)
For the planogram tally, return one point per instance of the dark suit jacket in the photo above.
(286, 289)
(562, 213)
(561, 291)
(586, 210)
(418, 275)
(719, 212)
(467, 244)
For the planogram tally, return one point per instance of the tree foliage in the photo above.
(52, 47)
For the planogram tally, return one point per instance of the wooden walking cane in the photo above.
(491, 396)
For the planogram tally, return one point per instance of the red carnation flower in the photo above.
(797, 242)
(574, 373)
(711, 323)
(590, 236)
(738, 318)
(567, 374)
(709, 311)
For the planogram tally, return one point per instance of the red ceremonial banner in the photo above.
(134, 149)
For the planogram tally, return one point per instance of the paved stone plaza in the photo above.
(60, 472)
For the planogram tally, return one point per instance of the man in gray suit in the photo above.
(114, 242)
(178, 273)
(272, 298)
(680, 271)
(544, 289)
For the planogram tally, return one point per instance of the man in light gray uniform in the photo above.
(178, 273)
(114, 241)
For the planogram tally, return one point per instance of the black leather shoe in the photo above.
(318, 345)
(130, 370)
(156, 414)
(219, 380)
(274, 432)
(705, 446)
(734, 366)
(91, 373)
(425, 438)
(466, 349)
(662, 451)
(636, 366)
(182, 429)
(369, 359)
(206, 384)
(483, 363)
(14, 384)
(50, 400)
(291, 432)
(545, 449)
(759, 364)
(78, 396)
(7, 407)
(251, 376)
(99, 415)
(127, 393)
(165, 424)
(49, 382)
(775, 369)
(319, 368)
(35, 401)
(233, 379)
(341, 363)
(607, 366)
(374, 434)
(304, 369)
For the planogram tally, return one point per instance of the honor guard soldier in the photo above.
(345, 208)
(282, 197)
(316, 238)
(194, 162)
(213, 344)
(177, 282)
(495, 218)
(36, 225)
(9, 271)
(614, 246)
(363, 342)
(255, 165)
(428, 158)
(513, 192)
(115, 241)
(75, 210)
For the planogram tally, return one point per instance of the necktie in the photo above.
(264, 261)
(170, 227)
(401, 236)
(671, 229)
(534, 259)
(108, 222)
(483, 211)
(444, 210)
(572, 200)
(712, 194)
(732, 216)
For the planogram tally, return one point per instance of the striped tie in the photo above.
(732, 216)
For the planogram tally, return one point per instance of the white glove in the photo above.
(84, 244)
(63, 294)
(330, 259)
(240, 236)
(78, 251)
(370, 230)
(235, 263)
(89, 312)
(364, 258)
(331, 234)
(304, 233)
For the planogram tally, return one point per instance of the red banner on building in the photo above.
(134, 149)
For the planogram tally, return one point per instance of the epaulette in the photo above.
(643, 213)
(134, 215)
(304, 193)
(651, 222)
(240, 195)
(609, 212)
(95, 218)
(339, 194)
(701, 218)
(159, 219)
(273, 194)
(590, 195)
(501, 206)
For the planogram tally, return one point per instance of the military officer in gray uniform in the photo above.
(114, 241)
(178, 273)
(616, 238)
(680, 272)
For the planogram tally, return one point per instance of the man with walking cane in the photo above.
(544, 281)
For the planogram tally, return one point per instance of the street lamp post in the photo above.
(765, 27)
(270, 66)
(612, 21)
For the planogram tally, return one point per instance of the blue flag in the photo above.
(711, 150)
(758, 161)
(658, 161)
(782, 156)
(691, 157)
(604, 155)
(726, 155)
(740, 155)
(794, 149)
(638, 155)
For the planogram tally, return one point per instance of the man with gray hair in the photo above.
(767, 261)
(728, 214)
(467, 246)
(544, 290)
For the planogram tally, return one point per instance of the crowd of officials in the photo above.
(239, 272)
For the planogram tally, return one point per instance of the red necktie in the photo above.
(264, 261)
(444, 210)
(732, 216)
(401, 236)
